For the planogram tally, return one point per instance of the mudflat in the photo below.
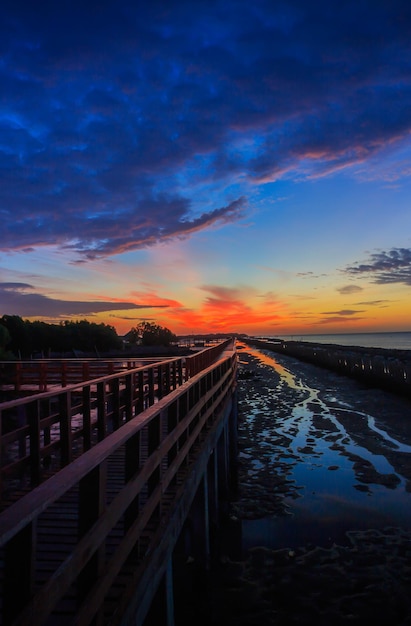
(323, 504)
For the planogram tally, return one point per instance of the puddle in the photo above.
(319, 465)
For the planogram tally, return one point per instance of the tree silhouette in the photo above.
(149, 334)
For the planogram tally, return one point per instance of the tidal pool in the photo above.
(320, 455)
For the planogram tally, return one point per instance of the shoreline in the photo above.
(364, 577)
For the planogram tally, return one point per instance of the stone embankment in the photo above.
(382, 368)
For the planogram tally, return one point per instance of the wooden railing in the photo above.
(199, 361)
(35, 376)
(39, 375)
(41, 434)
(122, 489)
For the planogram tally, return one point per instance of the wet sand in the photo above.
(348, 559)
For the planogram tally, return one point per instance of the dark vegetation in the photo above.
(24, 339)
(148, 334)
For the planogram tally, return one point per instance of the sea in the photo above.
(390, 341)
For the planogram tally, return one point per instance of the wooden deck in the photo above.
(79, 537)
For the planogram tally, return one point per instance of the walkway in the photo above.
(89, 538)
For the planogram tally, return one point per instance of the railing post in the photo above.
(141, 404)
(132, 466)
(33, 417)
(43, 377)
(86, 394)
(101, 411)
(153, 442)
(65, 427)
(45, 410)
(160, 389)
(223, 482)
(86, 371)
(151, 386)
(17, 377)
(212, 469)
(173, 375)
(180, 372)
(115, 403)
(64, 374)
(167, 379)
(233, 442)
(91, 506)
(129, 395)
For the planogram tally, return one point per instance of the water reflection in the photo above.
(304, 439)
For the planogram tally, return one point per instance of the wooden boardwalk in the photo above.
(88, 536)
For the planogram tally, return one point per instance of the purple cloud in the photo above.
(347, 289)
(16, 301)
(337, 319)
(114, 115)
(385, 267)
(343, 312)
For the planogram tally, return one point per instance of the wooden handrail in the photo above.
(158, 444)
(42, 433)
(38, 433)
(39, 375)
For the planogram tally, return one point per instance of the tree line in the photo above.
(24, 339)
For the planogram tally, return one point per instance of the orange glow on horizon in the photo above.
(245, 310)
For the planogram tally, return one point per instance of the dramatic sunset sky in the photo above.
(209, 165)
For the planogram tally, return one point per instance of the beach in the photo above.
(320, 530)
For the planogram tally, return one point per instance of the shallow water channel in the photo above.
(319, 454)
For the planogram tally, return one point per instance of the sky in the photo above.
(209, 166)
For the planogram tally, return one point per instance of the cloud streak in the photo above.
(16, 299)
(385, 267)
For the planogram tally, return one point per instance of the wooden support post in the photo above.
(160, 388)
(86, 371)
(140, 406)
(33, 416)
(199, 539)
(151, 394)
(101, 411)
(43, 377)
(206, 521)
(233, 443)
(17, 379)
(115, 403)
(45, 410)
(65, 428)
(213, 490)
(223, 482)
(167, 379)
(154, 438)
(64, 374)
(91, 506)
(132, 466)
(128, 400)
(86, 393)
(180, 372)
